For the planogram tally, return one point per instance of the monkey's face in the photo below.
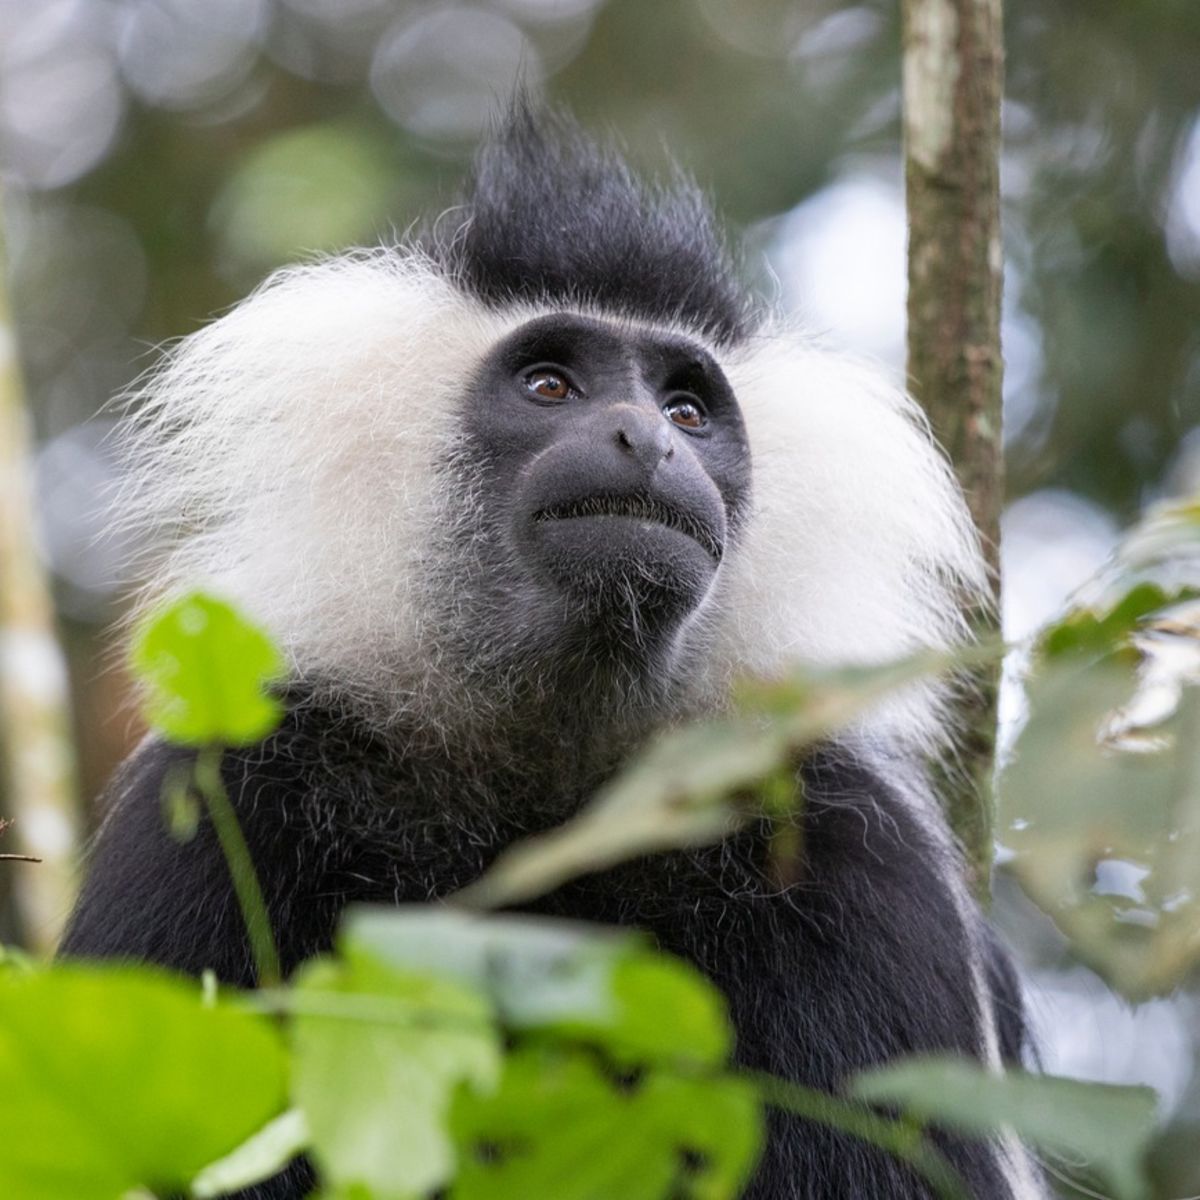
(615, 466)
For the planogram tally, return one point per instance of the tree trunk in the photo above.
(35, 727)
(953, 82)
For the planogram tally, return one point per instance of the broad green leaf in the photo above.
(534, 970)
(258, 1158)
(695, 785)
(560, 979)
(207, 669)
(1107, 840)
(557, 1127)
(116, 1078)
(714, 1126)
(1085, 632)
(1104, 1127)
(1174, 1164)
(377, 1055)
(663, 1011)
(554, 1127)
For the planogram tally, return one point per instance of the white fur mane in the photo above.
(284, 456)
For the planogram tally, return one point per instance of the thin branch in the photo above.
(4, 827)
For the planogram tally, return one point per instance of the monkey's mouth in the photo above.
(638, 507)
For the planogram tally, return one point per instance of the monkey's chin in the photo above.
(625, 568)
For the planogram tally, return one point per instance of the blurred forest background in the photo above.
(159, 157)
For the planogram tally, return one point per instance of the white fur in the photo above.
(860, 549)
(286, 453)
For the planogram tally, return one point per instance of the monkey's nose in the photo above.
(643, 435)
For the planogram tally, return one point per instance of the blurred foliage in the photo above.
(467, 1057)
(82, 1121)
(1105, 840)
(1109, 98)
(509, 1051)
(1099, 802)
(311, 125)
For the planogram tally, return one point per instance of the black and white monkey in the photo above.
(513, 496)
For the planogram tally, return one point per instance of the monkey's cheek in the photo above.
(610, 560)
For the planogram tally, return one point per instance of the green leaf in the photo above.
(676, 794)
(113, 1079)
(1107, 840)
(207, 669)
(258, 1158)
(557, 1127)
(377, 1056)
(1086, 633)
(713, 1125)
(695, 785)
(1107, 1127)
(534, 970)
(560, 979)
(663, 1010)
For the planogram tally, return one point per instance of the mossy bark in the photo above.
(953, 83)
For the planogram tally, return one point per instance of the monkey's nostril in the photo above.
(645, 437)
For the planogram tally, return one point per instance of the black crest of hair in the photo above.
(553, 216)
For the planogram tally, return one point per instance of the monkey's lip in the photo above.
(637, 507)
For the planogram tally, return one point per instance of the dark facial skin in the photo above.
(620, 462)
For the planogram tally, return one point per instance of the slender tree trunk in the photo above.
(35, 728)
(953, 83)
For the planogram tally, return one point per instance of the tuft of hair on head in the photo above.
(553, 217)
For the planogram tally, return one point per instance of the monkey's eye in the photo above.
(685, 411)
(549, 383)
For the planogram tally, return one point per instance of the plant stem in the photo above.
(241, 866)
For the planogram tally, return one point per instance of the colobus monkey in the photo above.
(512, 496)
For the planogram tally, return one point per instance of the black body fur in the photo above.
(863, 959)
(858, 962)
